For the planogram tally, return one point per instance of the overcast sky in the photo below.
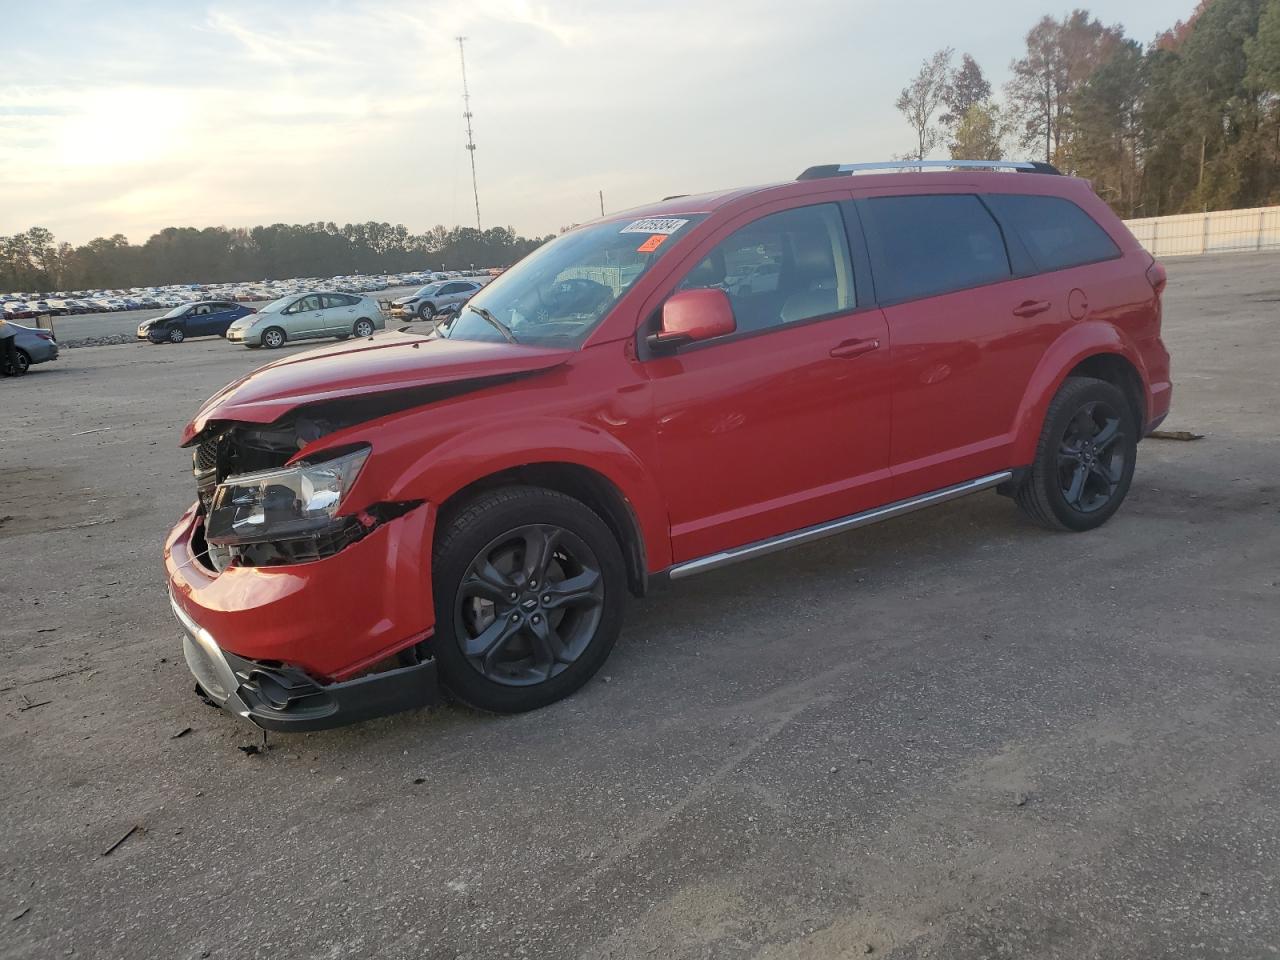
(130, 115)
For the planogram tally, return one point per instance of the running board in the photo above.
(817, 532)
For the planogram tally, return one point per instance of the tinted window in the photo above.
(782, 268)
(1057, 232)
(332, 300)
(926, 245)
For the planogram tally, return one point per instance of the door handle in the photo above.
(1030, 308)
(854, 348)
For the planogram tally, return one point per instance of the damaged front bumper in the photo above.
(294, 647)
(285, 698)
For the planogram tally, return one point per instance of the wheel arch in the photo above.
(1089, 349)
(582, 483)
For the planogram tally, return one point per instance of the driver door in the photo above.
(306, 317)
(785, 422)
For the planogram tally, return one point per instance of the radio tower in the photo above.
(471, 144)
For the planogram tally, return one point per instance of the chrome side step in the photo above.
(817, 532)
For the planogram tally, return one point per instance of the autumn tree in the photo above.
(921, 99)
(967, 87)
(1060, 57)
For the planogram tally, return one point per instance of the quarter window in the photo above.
(1056, 231)
(782, 268)
(930, 244)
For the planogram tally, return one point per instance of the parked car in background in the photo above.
(435, 296)
(18, 310)
(33, 345)
(205, 318)
(308, 316)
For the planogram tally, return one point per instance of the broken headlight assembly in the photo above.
(286, 514)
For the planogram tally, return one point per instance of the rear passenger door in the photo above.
(969, 322)
(339, 312)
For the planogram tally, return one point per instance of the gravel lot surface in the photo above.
(91, 326)
(953, 735)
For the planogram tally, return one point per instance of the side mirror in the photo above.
(691, 316)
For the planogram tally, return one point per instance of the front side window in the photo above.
(562, 291)
(782, 268)
(930, 244)
(1056, 231)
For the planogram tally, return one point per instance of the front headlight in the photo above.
(282, 504)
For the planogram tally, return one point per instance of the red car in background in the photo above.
(657, 394)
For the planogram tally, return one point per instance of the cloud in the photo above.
(266, 47)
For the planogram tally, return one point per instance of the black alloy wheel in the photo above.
(1085, 458)
(529, 587)
(529, 605)
(1091, 460)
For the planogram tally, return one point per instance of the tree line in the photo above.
(36, 261)
(1187, 122)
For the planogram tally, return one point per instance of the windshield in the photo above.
(559, 293)
(428, 289)
(176, 312)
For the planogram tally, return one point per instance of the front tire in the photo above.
(273, 338)
(426, 311)
(529, 589)
(177, 335)
(1085, 458)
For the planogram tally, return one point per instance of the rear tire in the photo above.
(1084, 459)
(363, 328)
(24, 363)
(529, 590)
(273, 338)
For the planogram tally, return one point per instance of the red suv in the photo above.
(656, 394)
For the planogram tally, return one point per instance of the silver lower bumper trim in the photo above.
(207, 664)
(819, 531)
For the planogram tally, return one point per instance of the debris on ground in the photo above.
(417, 781)
(20, 914)
(181, 733)
(1175, 435)
(249, 749)
(132, 830)
(28, 705)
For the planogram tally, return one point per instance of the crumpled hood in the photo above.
(388, 362)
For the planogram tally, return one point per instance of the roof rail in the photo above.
(849, 169)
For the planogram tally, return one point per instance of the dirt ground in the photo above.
(952, 735)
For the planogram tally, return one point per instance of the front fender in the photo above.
(442, 471)
(1084, 340)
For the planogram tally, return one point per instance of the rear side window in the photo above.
(1056, 231)
(933, 243)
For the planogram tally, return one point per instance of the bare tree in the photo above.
(922, 97)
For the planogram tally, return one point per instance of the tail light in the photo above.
(45, 336)
(1157, 277)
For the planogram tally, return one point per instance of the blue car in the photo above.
(204, 318)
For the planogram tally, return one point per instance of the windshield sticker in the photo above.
(663, 225)
(652, 244)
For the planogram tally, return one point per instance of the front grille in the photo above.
(207, 455)
(204, 464)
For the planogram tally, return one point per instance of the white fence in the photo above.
(1220, 231)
